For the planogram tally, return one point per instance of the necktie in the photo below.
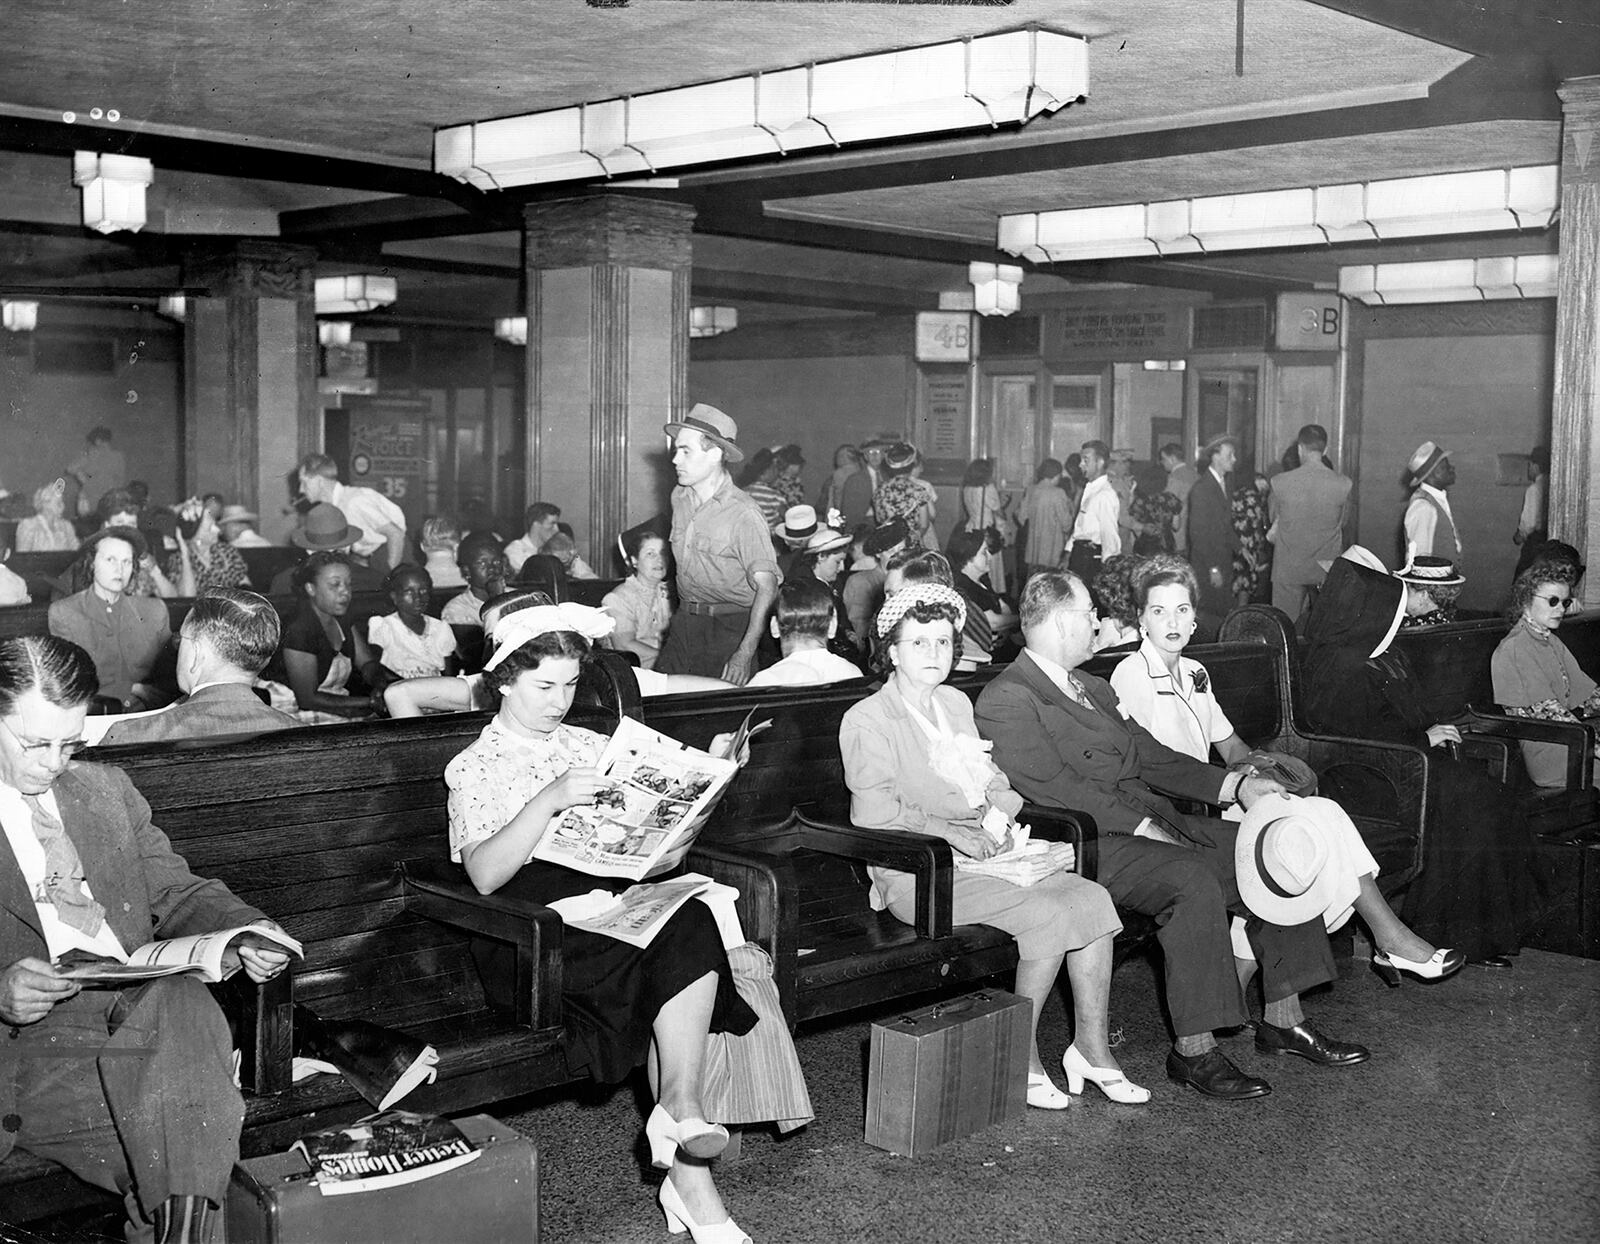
(1078, 694)
(63, 872)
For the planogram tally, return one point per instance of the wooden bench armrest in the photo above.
(1577, 737)
(1063, 825)
(1405, 766)
(927, 858)
(439, 890)
(264, 1032)
(768, 904)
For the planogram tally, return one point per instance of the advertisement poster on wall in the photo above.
(382, 443)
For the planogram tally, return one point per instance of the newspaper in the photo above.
(636, 915)
(200, 954)
(662, 792)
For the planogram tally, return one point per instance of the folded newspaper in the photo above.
(662, 792)
(637, 914)
(200, 954)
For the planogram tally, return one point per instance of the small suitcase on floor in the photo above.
(1570, 924)
(948, 1071)
(490, 1200)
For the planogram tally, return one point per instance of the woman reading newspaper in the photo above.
(622, 1005)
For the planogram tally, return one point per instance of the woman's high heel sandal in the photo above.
(1441, 964)
(1109, 1080)
(678, 1221)
(1043, 1095)
(695, 1137)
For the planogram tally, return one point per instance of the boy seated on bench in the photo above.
(803, 623)
(132, 1089)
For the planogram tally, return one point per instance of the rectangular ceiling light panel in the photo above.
(989, 80)
(1451, 280)
(1436, 206)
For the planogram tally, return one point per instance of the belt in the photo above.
(705, 610)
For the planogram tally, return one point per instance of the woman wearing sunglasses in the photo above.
(1534, 674)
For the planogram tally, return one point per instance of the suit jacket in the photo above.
(145, 887)
(1062, 755)
(222, 708)
(1212, 539)
(1309, 506)
(121, 658)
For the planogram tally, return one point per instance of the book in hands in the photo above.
(200, 954)
(661, 794)
(383, 1151)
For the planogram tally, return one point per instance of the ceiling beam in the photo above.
(809, 292)
(1564, 33)
(399, 218)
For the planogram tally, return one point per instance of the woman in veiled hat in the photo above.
(1478, 889)
(623, 1006)
(913, 761)
(1170, 695)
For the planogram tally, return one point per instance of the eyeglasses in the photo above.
(68, 747)
(1556, 602)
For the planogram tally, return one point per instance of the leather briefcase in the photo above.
(494, 1198)
(947, 1071)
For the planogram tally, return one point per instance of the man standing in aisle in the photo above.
(130, 1089)
(727, 571)
(1308, 506)
(1430, 527)
(1212, 538)
(1094, 531)
(1181, 478)
(382, 522)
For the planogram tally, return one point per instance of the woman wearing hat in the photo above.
(1477, 890)
(125, 634)
(1170, 695)
(1534, 674)
(914, 762)
(1435, 586)
(821, 559)
(640, 603)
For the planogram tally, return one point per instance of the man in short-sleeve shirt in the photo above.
(727, 573)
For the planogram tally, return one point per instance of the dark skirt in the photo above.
(611, 992)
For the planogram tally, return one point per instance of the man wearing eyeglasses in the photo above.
(1060, 739)
(130, 1089)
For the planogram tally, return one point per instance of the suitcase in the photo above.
(948, 1071)
(490, 1200)
(1570, 924)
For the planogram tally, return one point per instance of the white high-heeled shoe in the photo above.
(1043, 1095)
(1440, 964)
(678, 1221)
(695, 1137)
(1109, 1080)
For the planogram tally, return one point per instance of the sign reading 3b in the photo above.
(1309, 321)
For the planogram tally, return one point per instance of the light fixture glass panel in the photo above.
(1168, 225)
(1019, 235)
(333, 332)
(512, 328)
(1534, 194)
(345, 295)
(1341, 213)
(1249, 221)
(113, 190)
(673, 126)
(173, 306)
(712, 321)
(1446, 203)
(1095, 232)
(1359, 281)
(1061, 66)
(19, 316)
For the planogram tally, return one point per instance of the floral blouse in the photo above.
(495, 777)
(222, 566)
(900, 497)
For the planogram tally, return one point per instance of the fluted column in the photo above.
(608, 356)
(1574, 447)
(250, 373)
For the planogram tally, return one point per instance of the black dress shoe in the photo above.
(1499, 962)
(1308, 1043)
(1214, 1076)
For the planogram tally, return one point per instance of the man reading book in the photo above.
(130, 1089)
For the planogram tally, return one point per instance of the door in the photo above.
(1013, 441)
(1074, 414)
(1227, 404)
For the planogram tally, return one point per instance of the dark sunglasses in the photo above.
(1556, 602)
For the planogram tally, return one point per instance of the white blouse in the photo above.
(495, 777)
(1181, 712)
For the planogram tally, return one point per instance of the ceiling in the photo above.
(313, 122)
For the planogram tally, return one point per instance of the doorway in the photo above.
(1227, 403)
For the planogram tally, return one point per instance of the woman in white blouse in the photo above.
(1170, 695)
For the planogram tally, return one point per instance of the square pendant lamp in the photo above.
(113, 190)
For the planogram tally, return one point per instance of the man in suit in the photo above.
(1308, 506)
(223, 645)
(1212, 538)
(1060, 739)
(130, 1089)
(1429, 526)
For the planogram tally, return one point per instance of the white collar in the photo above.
(1438, 494)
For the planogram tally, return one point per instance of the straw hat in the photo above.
(1427, 456)
(716, 427)
(1431, 572)
(825, 540)
(237, 514)
(799, 523)
(1292, 861)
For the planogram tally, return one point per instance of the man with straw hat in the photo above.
(1430, 527)
(727, 573)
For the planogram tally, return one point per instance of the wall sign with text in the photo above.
(945, 337)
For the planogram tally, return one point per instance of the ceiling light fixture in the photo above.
(113, 190)
(996, 288)
(1440, 205)
(712, 321)
(985, 81)
(19, 317)
(173, 306)
(1451, 280)
(333, 332)
(346, 295)
(512, 328)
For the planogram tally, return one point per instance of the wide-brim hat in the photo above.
(1431, 572)
(799, 523)
(901, 456)
(716, 427)
(325, 528)
(1293, 861)
(1427, 456)
(826, 540)
(237, 514)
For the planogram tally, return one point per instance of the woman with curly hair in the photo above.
(1534, 674)
(913, 761)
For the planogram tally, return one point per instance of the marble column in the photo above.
(1574, 447)
(607, 358)
(250, 374)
